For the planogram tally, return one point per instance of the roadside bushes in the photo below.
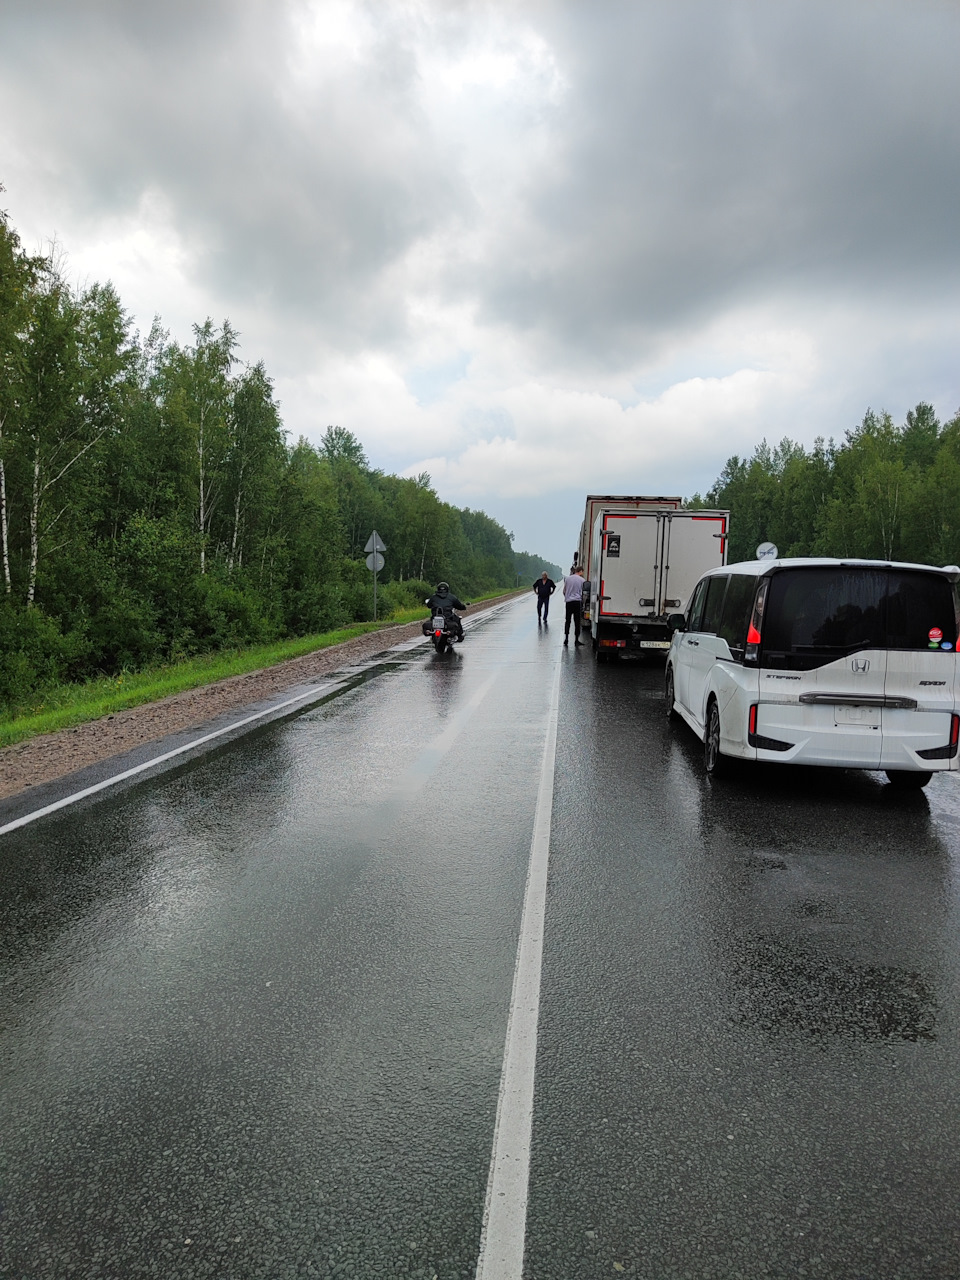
(230, 615)
(393, 597)
(34, 653)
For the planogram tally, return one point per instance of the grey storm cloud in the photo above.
(715, 153)
(299, 197)
(702, 155)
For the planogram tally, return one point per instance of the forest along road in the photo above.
(253, 1011)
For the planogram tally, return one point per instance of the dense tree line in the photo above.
(152, 507)
(887, 491)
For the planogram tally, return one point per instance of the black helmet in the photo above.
(443, 588)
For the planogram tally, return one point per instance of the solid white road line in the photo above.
(505, 1212)
(319, 691)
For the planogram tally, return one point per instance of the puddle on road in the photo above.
(786, 988)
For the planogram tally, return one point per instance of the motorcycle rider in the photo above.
(444, 601)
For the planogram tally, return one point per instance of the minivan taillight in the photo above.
(751, 652)
(954, 730)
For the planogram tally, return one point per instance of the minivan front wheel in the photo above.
(669, 695)
(908, 779)
(716, 764)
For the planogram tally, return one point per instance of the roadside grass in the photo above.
(64, 706)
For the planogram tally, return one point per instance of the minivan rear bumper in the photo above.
(906, 733)
(889, 737)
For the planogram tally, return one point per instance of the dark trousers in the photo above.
(573, 611)
(543, 604)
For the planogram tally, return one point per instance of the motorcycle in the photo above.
(442, 630)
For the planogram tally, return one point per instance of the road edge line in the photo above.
(503, 1233)
(320, 691)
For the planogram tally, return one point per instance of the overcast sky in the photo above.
(535, 249)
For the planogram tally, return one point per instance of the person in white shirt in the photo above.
(573, 598)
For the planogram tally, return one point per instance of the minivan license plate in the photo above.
(865, 717)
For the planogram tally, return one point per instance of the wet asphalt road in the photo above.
(252, 1011)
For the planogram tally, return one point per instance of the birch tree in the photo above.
(198, 400)
(18, 276)
(58, 433)
(256, 457)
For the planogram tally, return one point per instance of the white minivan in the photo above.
(847, 663)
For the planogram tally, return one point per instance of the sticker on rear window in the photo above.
(946, 645)
(935, 634)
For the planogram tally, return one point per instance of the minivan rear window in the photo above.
(816, 615)
(737, 607)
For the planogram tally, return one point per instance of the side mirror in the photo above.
(677, 622)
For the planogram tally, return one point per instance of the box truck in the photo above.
(644, 564)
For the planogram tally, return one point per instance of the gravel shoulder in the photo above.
(54, 755)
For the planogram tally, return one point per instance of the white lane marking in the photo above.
(505, 1212)
(434, 751)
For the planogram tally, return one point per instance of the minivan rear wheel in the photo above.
(716, 764)
(908, 779)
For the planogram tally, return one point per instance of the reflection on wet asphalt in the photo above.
(252, 1013)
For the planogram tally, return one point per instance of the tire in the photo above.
(907, 779)
(440, 644)
(669, 696)
(716, 764)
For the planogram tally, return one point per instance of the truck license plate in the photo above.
(654, 644)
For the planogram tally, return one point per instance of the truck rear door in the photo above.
(693, 543)
(629, 565)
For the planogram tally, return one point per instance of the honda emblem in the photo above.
(860, 665)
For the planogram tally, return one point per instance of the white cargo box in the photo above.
(646, 563)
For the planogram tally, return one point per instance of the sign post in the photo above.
(374, 548)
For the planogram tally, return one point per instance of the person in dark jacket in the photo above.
(444, 601)
(544, 587)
